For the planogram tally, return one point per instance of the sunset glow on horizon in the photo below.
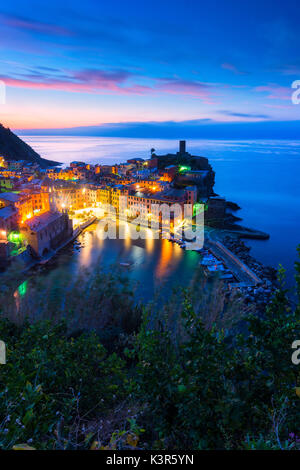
(91, 64)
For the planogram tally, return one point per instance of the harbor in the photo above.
(154, 266)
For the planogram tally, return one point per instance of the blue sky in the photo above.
(68, 64)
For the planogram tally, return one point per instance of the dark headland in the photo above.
(13, 148)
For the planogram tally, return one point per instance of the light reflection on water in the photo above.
(262, 176)
(170, 256)
(154, 264)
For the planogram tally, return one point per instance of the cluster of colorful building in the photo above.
(36, 205)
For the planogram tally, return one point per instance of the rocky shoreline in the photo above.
(259, 296)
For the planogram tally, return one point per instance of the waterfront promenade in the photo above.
(242, 272)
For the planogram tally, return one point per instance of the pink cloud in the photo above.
(185, 87)
(279, 106)
(85, 81)
(117, 82)
(275, 92)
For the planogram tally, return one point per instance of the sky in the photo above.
(93, 63)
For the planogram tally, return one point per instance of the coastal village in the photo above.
(40, 207)
(150, 231)
(43, 209)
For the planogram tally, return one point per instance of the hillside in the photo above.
(13, 148)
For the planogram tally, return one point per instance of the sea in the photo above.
(261, 176)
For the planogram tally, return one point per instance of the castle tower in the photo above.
(182, 146)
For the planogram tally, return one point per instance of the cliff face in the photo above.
(13, 148)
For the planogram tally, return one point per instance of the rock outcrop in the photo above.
(13, 148)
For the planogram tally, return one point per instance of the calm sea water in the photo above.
(155, 266)
(263, 177)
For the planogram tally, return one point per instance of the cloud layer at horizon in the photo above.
(193, 129)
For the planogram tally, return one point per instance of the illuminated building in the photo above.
(153, 185)
(77, 164)
(10, 173)
(65, 174)
(14, 164)
(47, 231)
(27, 205)
(103, 195)
(191, 194)
(8, 199)
(8, 219)
(115, 194)
(125, 181)
(71, 196)
(145, 203)
(32, 204)
(137, 162)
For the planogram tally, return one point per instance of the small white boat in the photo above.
(125, 265)
(227, 276)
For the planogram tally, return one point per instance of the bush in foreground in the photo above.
(197, 389)
(52, 380)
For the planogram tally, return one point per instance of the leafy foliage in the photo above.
(49, 379)
(209, 392)
(183, 378)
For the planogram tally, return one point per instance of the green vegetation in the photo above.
(170, 378)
